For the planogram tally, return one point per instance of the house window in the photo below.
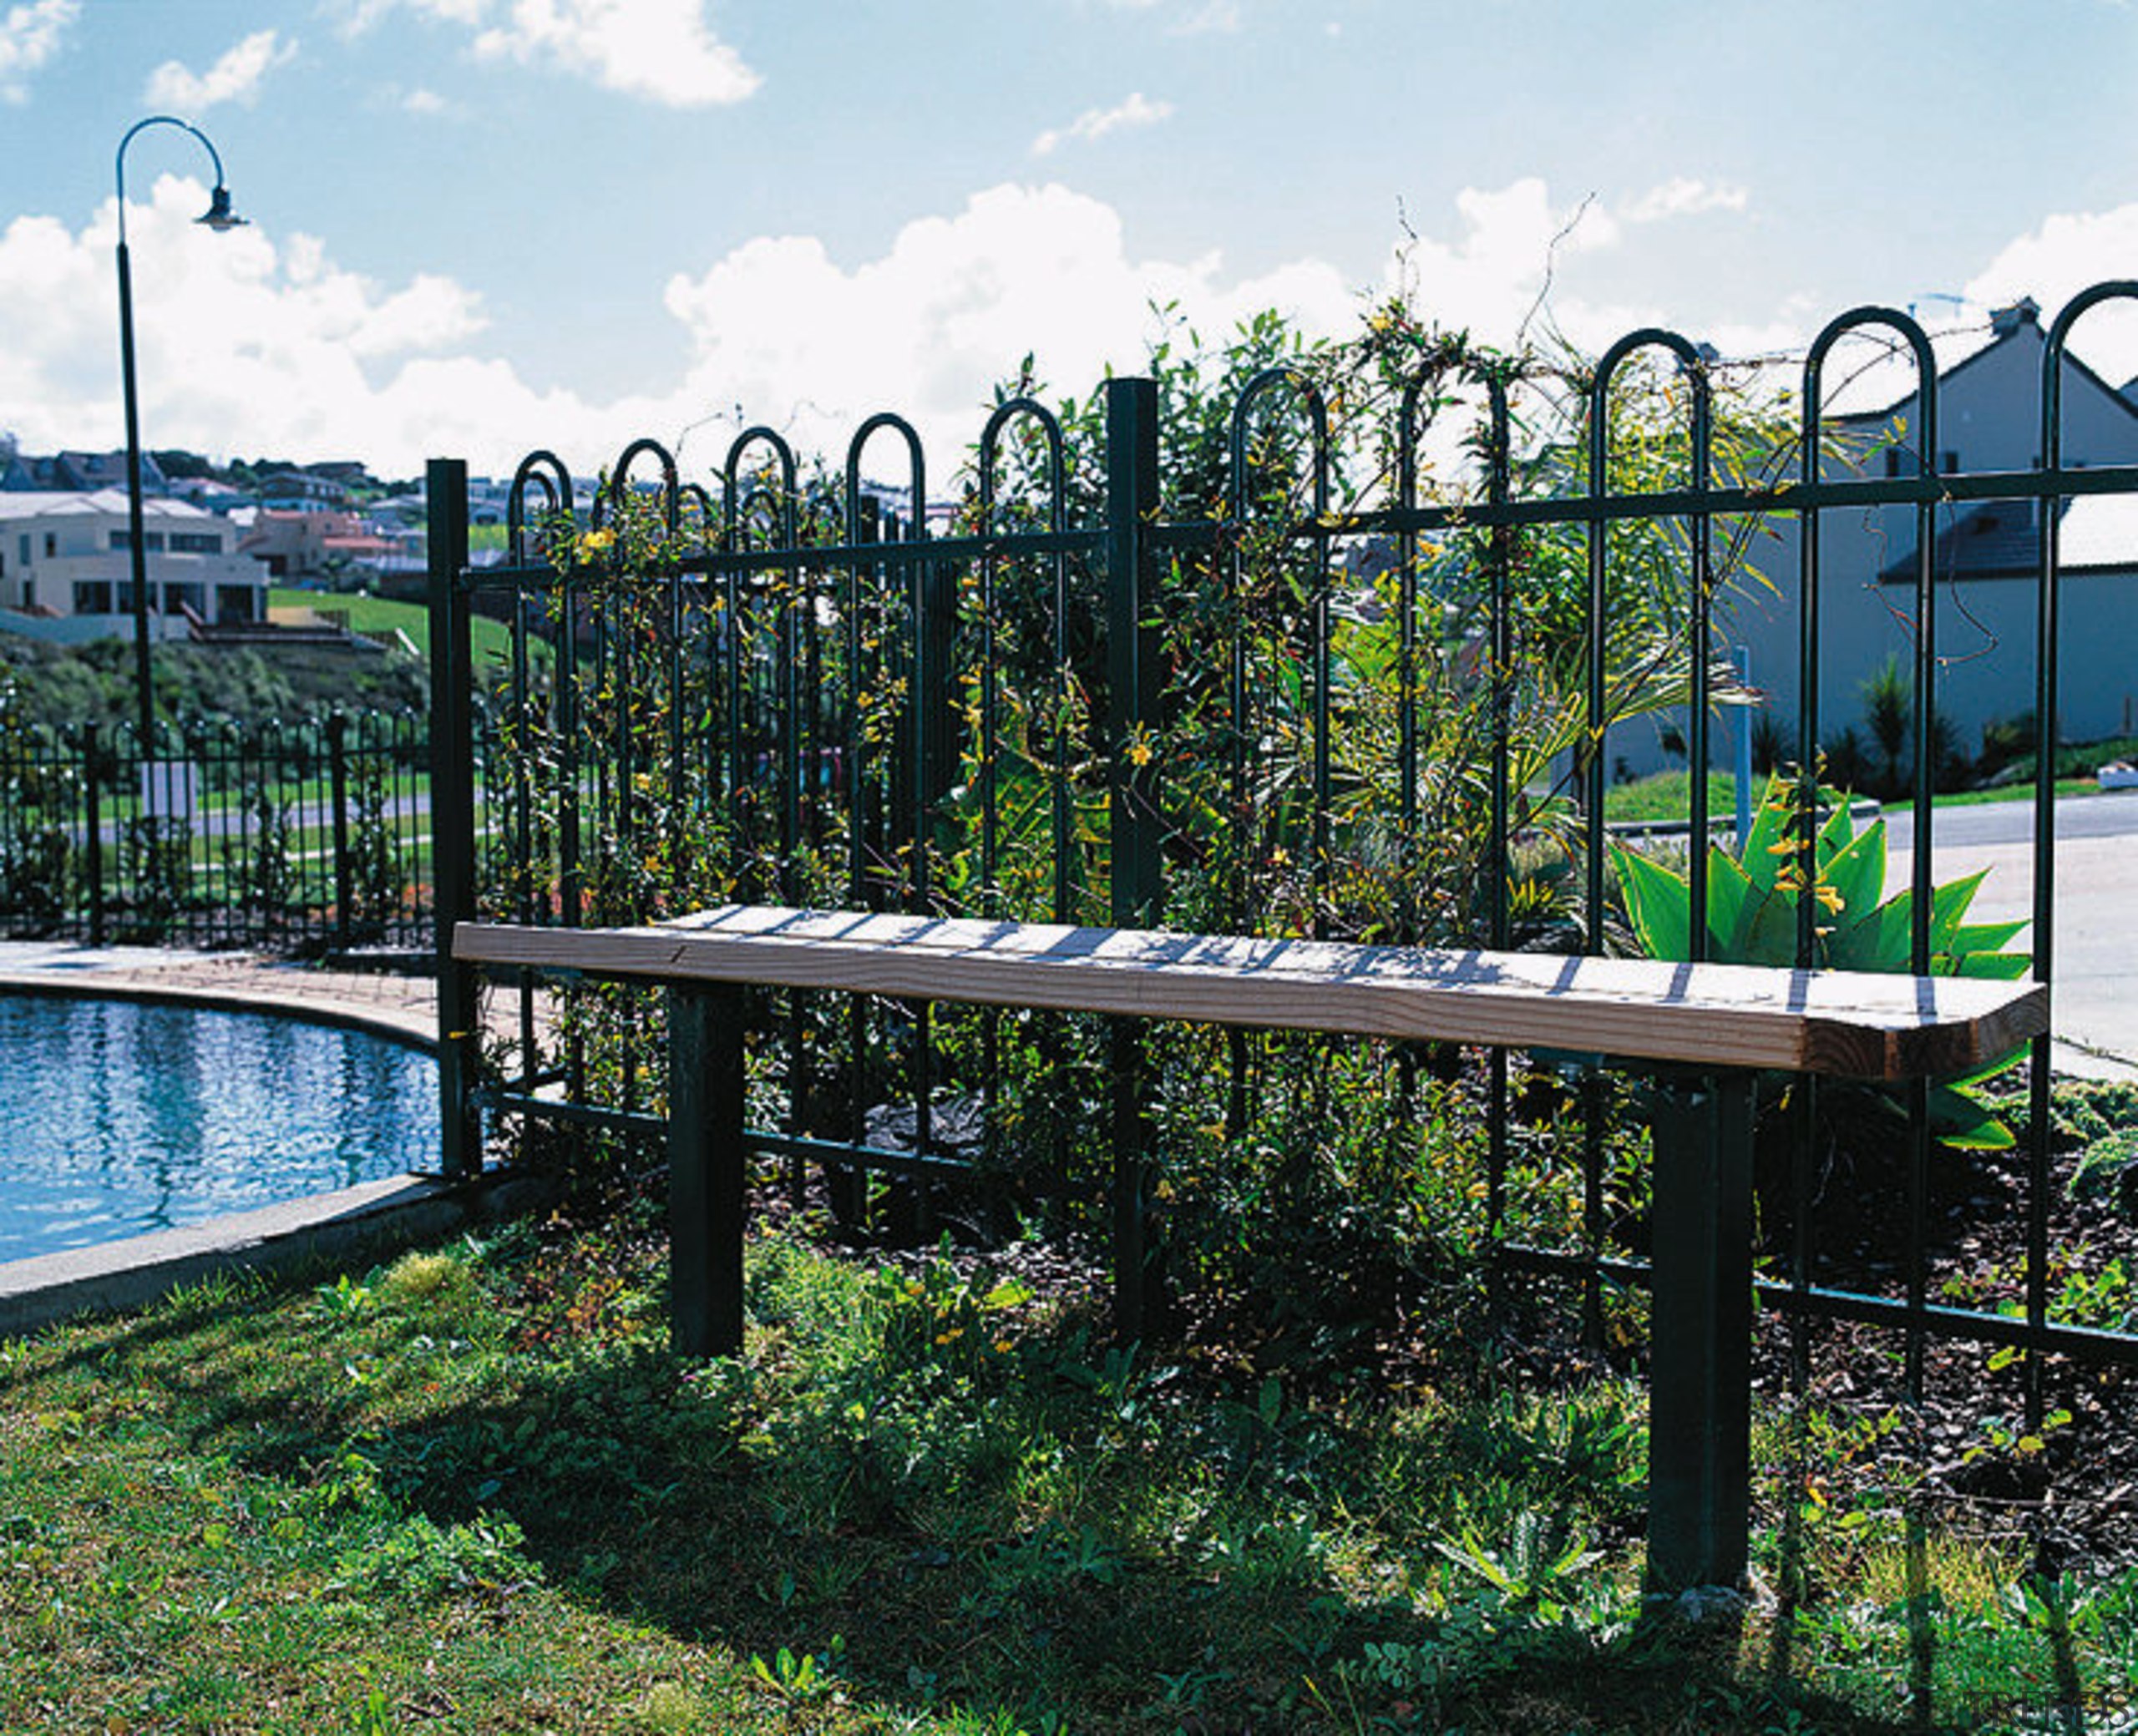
(180, 598)
(1948, 463)
(233, 603)
(193, 542)
(22, 547)
(51, 545)
(92, 597)
(29, 594)
(124, 539)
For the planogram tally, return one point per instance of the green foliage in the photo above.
(1755, 893)
(552, 1523)
(1757, 896)
(1887, 769)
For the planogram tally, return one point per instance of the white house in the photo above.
(65, 572)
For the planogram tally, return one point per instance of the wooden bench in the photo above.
(1704, 1030)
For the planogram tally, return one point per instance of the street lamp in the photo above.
(218, 216)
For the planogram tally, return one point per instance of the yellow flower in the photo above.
(1831, 899)
(1139, 752)
(596, 542)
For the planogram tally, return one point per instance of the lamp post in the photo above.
(218, 216)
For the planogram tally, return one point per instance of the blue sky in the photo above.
(484, 224)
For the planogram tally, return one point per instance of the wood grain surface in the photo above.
(1830, 1022)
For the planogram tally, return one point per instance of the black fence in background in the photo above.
(304, 837)
(1284, 714)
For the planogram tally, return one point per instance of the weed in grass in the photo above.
(436, 1280)
(668, 1708)
(421, 1559)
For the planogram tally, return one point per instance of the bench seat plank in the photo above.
(1723, 1015)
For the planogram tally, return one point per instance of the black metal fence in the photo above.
(306, 837)
(1227, 685)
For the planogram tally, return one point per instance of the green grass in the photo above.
(1669, 795)
(473, 1491)
(489, 642)
(2003, 792)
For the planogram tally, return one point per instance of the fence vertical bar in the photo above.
(1132, 424)
(452, 811)
(706, 1090)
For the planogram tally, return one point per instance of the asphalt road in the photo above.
(2094, 998)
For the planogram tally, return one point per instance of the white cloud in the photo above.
(663, 50)
(423, 102)
(236, 77)
(1514, 242)
(779, 327)
(1211, 17)
(1682, 196)
(244, 346)
(1137, 110)
(253, 342)
(30, 35)
(2070, 252)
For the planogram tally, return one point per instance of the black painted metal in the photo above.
(299, 837)
(707, 1170)
(1700, 1333)
(453, 815)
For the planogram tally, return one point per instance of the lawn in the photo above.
(490, 641)
(471, 1491)
(1668, 795)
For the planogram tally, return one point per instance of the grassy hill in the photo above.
(491, 641)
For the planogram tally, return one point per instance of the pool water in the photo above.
(117, 1118)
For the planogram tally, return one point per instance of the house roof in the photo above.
(2001, 539)
(1872, 377)
(67, 504)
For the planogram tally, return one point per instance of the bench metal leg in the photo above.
(1699, 1411)
(705, 1169)
(1138, 1297)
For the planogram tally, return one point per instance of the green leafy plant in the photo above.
(1755, 896)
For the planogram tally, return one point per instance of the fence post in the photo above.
(1700, 1338)
(92, 796)
(1131, 431)
(338, 783)
(453, 813)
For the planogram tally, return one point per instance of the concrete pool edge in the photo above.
(117, 1277)
(311, 1001)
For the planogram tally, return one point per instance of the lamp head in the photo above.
(218, 216)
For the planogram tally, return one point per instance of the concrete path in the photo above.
(2094, 1001)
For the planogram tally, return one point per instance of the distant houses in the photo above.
(212, 548)
(66, 568)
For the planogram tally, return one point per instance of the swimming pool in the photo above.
(118, 1118)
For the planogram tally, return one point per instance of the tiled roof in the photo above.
(2001, 539)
